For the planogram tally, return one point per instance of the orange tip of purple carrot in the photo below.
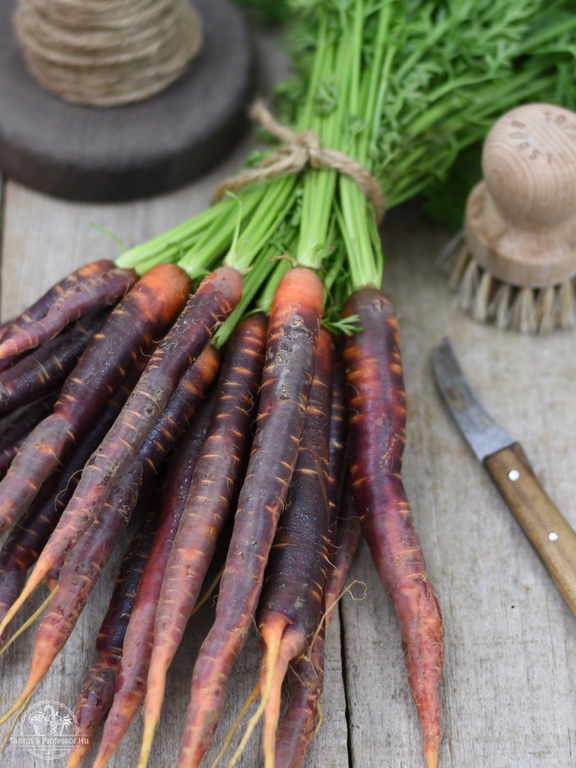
(431, 755)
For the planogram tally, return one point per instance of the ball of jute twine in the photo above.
(301, 150)
(106, 53)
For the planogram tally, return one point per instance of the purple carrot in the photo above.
(39, 309)
(99, 682)
(291, 601)
(133, 671)
(306, 675)
(337, 450)
(141, 315)
(157, 444)
(377, 406)
(84, 563)
(286, 381)
(26, 540)
(18, 430)
(87, 296)
(77, 578)
(214, 300)
(213, 493)
(45, 369)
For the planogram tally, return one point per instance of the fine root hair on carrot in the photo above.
(273, 648)
(37, 613)
(282, 645)
(208, 592)
(328, 613)
(250, 699)
(17, 604)
(13, 723)
(320, 718)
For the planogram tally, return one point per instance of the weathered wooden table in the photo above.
(508, 691)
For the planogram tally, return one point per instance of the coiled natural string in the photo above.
(107, 53)
(299, 151)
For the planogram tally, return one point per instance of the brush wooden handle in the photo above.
(550, 535)
(529, 165)
(521, 220)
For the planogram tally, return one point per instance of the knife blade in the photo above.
(542, 522)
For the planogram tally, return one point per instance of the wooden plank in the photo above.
(508, 696)
(44, 239)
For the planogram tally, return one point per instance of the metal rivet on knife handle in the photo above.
(550, 535)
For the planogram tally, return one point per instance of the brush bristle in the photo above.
(490, 300)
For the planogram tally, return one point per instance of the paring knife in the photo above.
(550, 535)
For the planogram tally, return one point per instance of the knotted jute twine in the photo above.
(302, 150)
(106, 53)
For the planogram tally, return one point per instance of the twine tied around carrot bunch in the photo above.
(301, 150)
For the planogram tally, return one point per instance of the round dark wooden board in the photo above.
(135, 151)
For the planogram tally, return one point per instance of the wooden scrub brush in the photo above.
(514, 262)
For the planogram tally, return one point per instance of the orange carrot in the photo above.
(377, 405)
(286, 381)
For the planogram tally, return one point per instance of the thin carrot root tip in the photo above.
(272, 650)
(250, 699)
(22, 708)
(30, 621)
(22, 699)
(75, 758)
(147, 739)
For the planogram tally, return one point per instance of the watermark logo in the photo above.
(47, 730)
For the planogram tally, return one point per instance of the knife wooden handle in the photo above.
(551, 536)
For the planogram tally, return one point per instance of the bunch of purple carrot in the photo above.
(122, 404)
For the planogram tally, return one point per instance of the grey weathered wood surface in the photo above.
(508, 693)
